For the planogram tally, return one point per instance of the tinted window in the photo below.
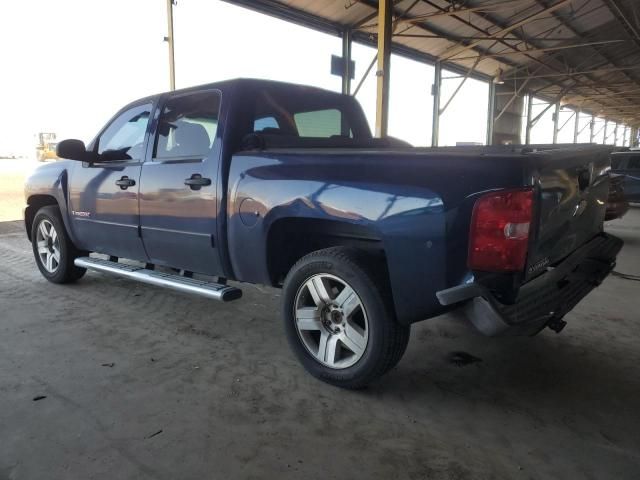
(634, 162)
(319, 123)
(308, 113)
(188, 126)
(268, 123)
(616, 162)
(124, 137)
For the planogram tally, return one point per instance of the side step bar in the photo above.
(212, 290)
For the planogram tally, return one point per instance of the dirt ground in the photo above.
(12, 175)
(143, 383)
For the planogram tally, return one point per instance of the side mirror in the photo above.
(74, 150)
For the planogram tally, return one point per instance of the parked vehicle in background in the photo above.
(46, 147)
(628, 164)
(617, 203)
(280, 184)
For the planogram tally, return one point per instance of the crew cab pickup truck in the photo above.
(279, 184)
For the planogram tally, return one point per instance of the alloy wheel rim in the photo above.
(48, 245)
(331, 321)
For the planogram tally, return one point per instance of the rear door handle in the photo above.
(125, 182)
(197, 181)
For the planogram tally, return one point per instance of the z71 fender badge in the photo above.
(80, 214)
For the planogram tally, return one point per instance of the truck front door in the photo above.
(104, 194)
(178, 200)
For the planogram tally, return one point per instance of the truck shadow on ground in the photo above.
(549, 378)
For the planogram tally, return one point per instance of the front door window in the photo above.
(124, 137)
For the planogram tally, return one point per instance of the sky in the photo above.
(69, 65)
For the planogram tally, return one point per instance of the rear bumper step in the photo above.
(203, 288)
(543, 301)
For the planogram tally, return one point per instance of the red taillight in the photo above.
(499, 234)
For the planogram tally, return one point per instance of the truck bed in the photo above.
(319, 177)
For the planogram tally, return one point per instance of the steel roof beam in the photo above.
(582, 36)
(494, 7)
(620, 16)
(533, 42)
(569, 74)
(508, 29)
(459, 69)
(540, 50)
(364, 37)
(501, 40)
(284, 12)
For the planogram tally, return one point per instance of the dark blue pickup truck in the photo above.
(283, 185)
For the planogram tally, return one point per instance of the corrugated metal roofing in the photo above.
(602, 78)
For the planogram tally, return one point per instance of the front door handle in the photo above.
(125, 182)
(197, 181)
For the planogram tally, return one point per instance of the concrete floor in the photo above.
(142, 383)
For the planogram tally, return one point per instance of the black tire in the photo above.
(66, 271)
(387, 339)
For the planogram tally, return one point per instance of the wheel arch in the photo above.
(35, 203)
(291, 238)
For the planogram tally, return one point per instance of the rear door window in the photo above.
(188, 126)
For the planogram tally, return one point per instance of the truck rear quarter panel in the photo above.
(396, 197)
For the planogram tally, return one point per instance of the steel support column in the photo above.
(527, 138)
(385, 8)
(346, 59)
(624, 136)
(576, 127)
(604, 137)
(556, 118)
(169, 39)
(491, 112)
(615, 135)
(435, 91)
(592, 126)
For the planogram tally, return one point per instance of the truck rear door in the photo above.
(178, 199)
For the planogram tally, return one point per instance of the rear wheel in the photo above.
(53, 250)
(339, 318)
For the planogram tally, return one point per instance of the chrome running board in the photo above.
(212, 290)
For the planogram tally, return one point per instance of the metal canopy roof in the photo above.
(585, 53)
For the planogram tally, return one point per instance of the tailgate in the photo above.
(573, 185)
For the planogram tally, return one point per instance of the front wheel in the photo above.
(339, 318)
(53, 249)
